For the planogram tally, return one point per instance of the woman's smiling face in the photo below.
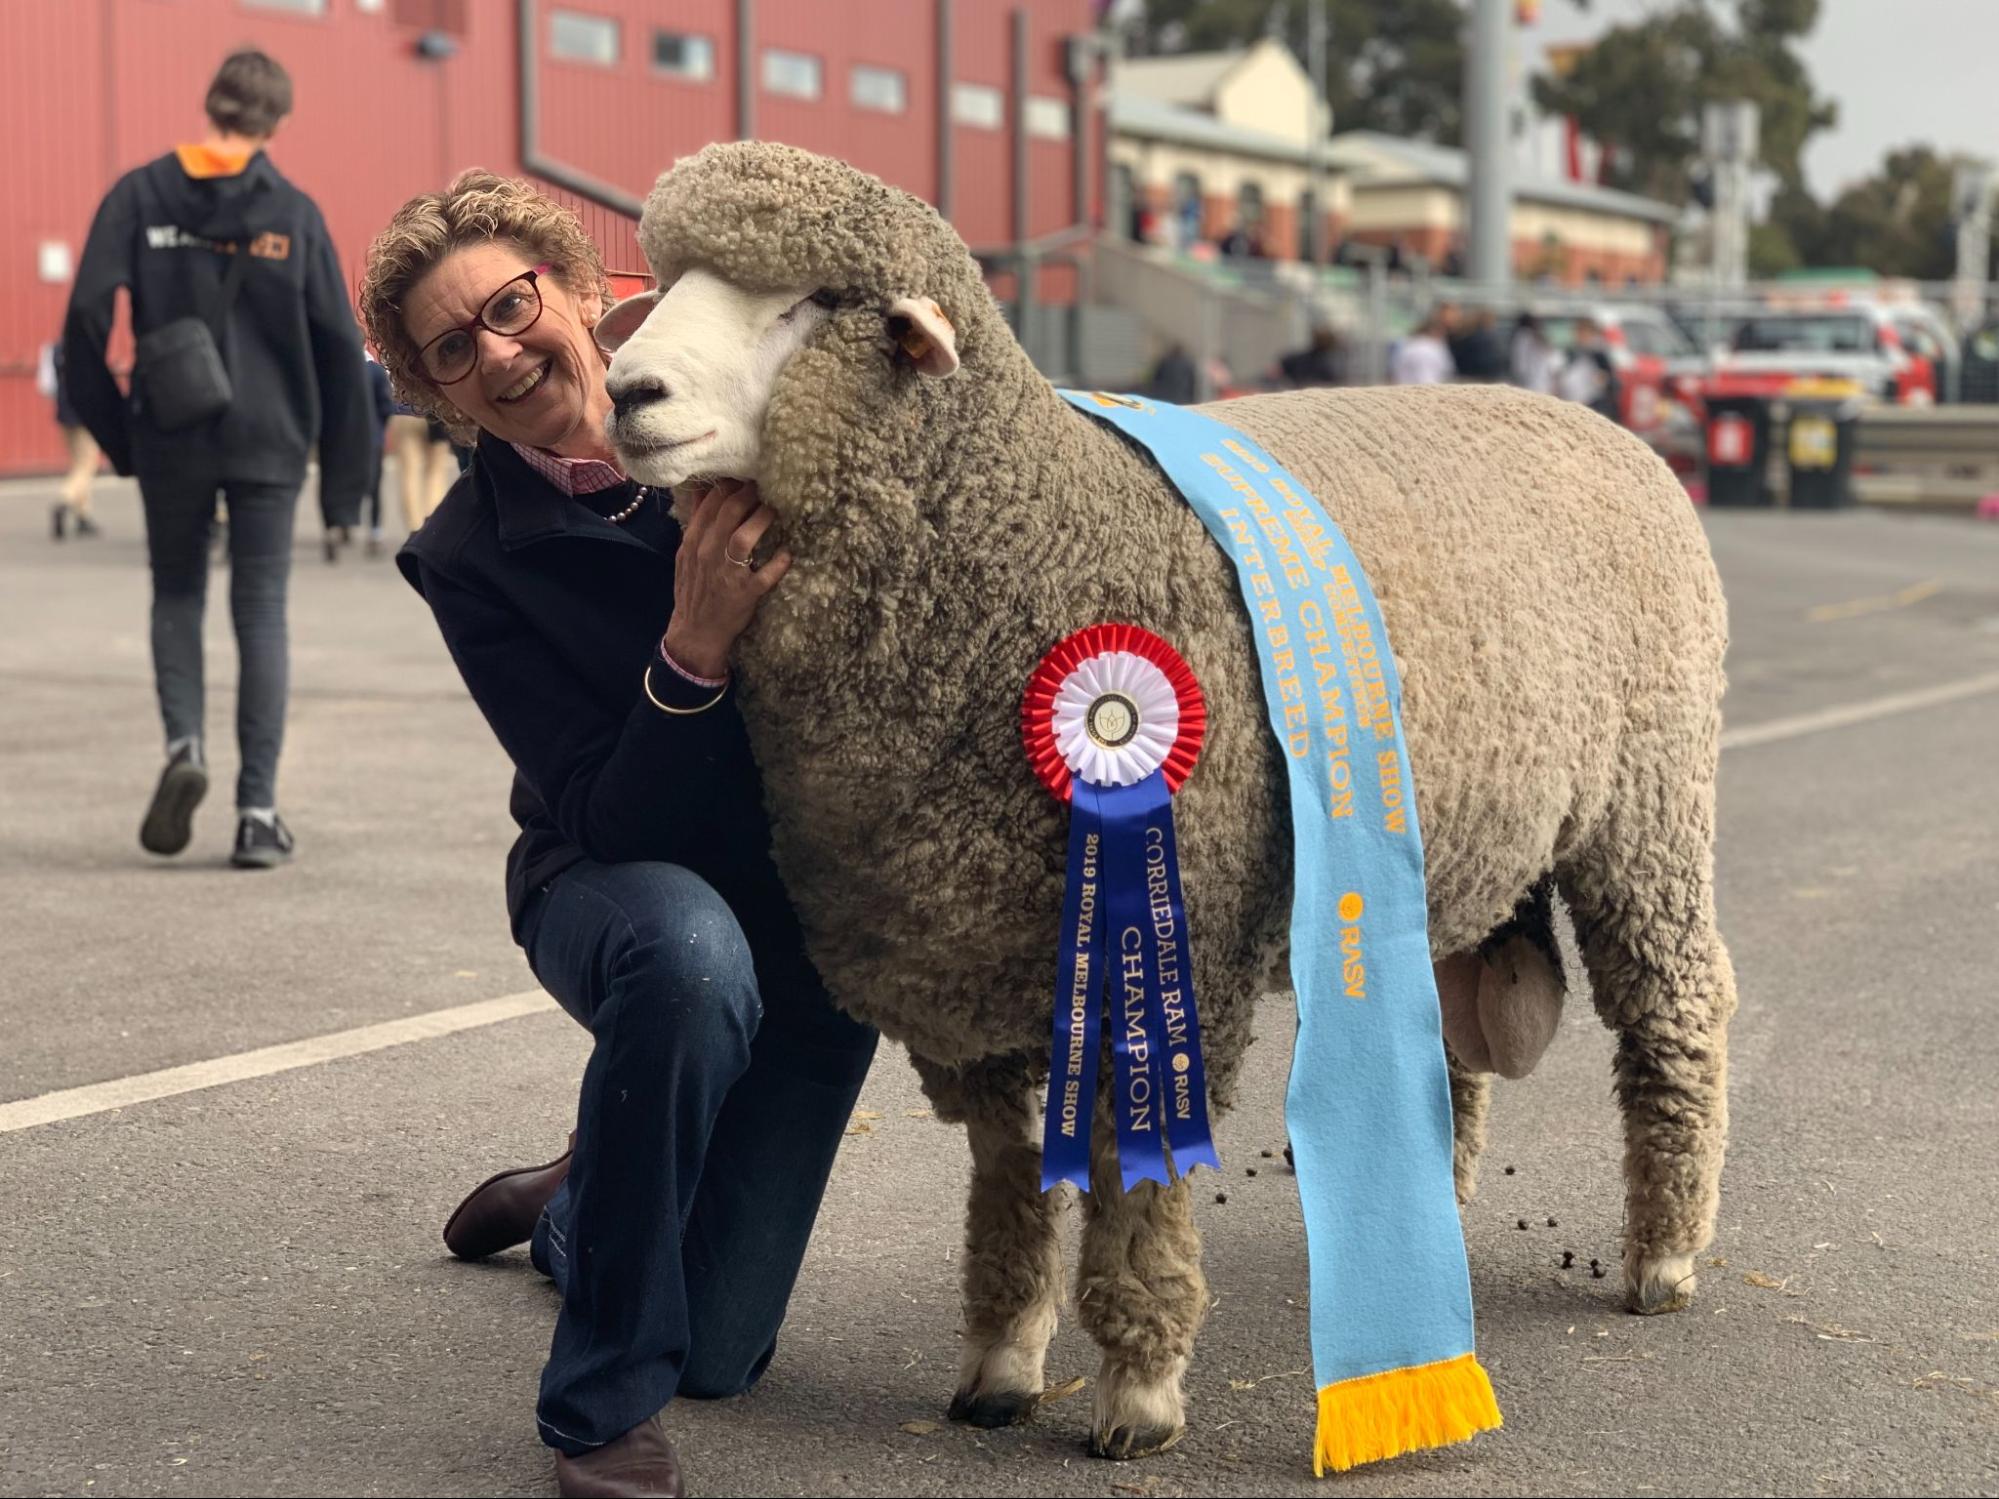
(542, 387)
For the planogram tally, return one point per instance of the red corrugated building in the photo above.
(974, 104)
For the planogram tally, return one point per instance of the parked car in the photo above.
(1894, 354)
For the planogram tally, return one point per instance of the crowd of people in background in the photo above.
(1447, 345)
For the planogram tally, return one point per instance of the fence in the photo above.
(1935, 457)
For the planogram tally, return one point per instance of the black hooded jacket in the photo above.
(291, 344)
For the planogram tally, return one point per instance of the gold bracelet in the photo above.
(680, 712)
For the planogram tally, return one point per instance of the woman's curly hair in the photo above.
(479, 207)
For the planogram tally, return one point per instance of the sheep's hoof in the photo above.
(993, 1408)
(1661, 1283)
(1136, 1415)
(1123, 1443)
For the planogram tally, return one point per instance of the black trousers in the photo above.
(179, 518)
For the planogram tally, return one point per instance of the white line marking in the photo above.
(1862, 712)
(122, 1092)
(119, 1093)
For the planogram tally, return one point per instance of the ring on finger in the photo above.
(747, 564)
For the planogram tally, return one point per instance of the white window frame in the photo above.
(886, 75)
(777, 83)
(979, 106)
(601, 25)
(703, 74)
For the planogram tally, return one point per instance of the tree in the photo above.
(1392, 65)
(1642, 88)
(1790, 236)
(1897, 222)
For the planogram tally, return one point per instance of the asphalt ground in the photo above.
(240, 1289)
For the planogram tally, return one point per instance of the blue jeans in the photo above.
(712, 1107)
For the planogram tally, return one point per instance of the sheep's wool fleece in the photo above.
(1548, 592)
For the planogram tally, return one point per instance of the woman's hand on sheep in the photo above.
(714, 595)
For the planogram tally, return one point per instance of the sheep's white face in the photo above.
(693, 368)
(693, 372)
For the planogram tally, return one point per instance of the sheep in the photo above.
(1549, 597)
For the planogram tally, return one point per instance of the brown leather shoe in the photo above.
(642, 1461)
(502, 1210)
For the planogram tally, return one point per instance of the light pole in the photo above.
(1489, 184)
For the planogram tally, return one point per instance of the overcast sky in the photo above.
(1902, 70)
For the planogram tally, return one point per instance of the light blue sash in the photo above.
(1368, 1108)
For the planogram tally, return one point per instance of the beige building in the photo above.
(1410, 195)
(1207, 143)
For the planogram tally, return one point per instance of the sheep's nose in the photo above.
(628, 398)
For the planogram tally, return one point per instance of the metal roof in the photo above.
(1372, 159)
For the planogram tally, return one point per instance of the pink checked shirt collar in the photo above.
(573, 476)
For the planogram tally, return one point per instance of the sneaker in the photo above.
(59, 520)
(85, 526)
(170, 819)
(260, 844)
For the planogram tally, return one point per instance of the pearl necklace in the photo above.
(630, 510)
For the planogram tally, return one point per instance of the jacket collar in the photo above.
(531, 509)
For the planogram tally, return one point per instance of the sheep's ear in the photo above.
(623, 320)
(921, 330)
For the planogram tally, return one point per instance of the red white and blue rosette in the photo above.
(1113, 721)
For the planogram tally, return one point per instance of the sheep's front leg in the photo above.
(1013, 1262)
(1141, 1296)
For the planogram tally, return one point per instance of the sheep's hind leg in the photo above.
(1142, 1297)
(1013, 1260)
(1471, 1097)
(1644, 908)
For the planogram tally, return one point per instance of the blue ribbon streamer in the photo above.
(1139, 1096)
(1123, 909)
(1079, 989)
(1178, 1025)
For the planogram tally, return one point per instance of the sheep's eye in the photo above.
(826, 299)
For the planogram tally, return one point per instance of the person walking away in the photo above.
(1588, 375)
(1531, 359)
(1477, 351)
(74, 506)
(426, 466)
(1423, 358)
(247, 354)
(338, 532)
(383, 400)
(1321, 362)
(1174, 378)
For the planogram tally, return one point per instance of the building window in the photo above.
(880, 88)
(1047, 118)
(977, 105)
(682, 56)
(575, 37)
(426, 15)
(792, 73)
(1249, 203)
(296, 7)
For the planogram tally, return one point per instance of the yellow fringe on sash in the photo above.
(1402, 1410)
